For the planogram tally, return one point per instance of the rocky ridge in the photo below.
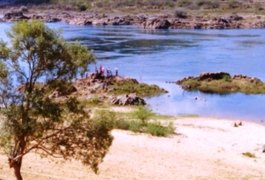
(232, 21)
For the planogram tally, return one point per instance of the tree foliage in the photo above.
(36, 62)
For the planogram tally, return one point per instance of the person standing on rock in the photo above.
(102, 71)
(96, 70)
(116, 72)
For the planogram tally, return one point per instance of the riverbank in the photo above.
(164, 19)
(204, 148)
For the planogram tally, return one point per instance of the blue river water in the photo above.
(157, 56)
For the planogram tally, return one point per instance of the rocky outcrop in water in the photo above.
(223, 83)
(117, 90)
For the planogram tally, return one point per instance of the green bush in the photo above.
(208, 4)
(181, 14)
(108, 120)
(94, 100)
(153, 128)
(184, 3)
(136, 126)
(156, 129)
(122, 124)
(233, 4)
(143, 114)
(82, 7)
(103, 120)
(249, 154)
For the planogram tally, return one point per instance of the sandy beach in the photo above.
(203, 148)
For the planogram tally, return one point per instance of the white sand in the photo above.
(205, 149)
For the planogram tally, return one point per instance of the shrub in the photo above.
(169, 3)
(181, 14)
(103, 121)
(208, 4)
(153, 128)
(233, 4)
(184, 3)
(258, 7)
(107, 120)
(124, 3)
(249, 154)
(82, 7)
(122, 124)
(156, 129)
(94, 100)
(227, 78)
(143, 114)
(136, 126)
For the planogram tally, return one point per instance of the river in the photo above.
(157, 56)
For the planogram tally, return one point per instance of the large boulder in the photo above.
(51, 19)
(63, 92)
(235, 17)
(100, 22)
(124, 100)
(120, 21)
(80, 21)
(156, 23)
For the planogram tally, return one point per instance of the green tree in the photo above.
(35, 63)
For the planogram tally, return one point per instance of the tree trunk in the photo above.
(17, 168)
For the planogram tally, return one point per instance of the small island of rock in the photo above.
(223, 83)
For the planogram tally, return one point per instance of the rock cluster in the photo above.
(15, 16)
(156, 24)
(129, 99)
(247, 78)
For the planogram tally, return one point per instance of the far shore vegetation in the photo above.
(193, 7)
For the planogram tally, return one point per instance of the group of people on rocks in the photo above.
(102, 72)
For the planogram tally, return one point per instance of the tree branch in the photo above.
(39, 143)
